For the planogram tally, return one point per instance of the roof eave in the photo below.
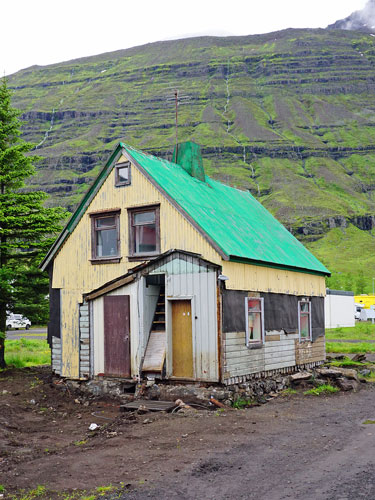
(274, 265)
(80, 210)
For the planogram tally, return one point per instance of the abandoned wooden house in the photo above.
(165, 273)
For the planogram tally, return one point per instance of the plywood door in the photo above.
(117, 336)
(182, 339)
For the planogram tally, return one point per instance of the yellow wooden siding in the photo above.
(267, 279)
(70, 333)
(73, 268)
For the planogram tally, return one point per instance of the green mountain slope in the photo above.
(288, 115)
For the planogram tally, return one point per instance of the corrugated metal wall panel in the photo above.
(201, 287)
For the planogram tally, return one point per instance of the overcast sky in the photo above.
(49, 31)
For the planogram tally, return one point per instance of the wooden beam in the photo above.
(109, 288)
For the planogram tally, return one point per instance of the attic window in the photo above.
(122, 174)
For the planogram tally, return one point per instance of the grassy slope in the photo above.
(288, 115)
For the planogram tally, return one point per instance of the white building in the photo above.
(339, 309)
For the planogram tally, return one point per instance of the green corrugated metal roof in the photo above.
(232, 218)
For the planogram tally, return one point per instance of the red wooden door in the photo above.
(117, 336)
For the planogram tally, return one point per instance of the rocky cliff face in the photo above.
(289, 116)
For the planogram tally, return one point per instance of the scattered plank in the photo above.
(149, 405)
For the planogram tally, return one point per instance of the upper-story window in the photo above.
(144, 231)
(105, 236)
(122, 174)
(304, 320)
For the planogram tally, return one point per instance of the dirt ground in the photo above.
(293, 447)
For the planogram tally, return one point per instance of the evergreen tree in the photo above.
(26, 226)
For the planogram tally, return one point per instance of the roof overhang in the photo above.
(242, 260)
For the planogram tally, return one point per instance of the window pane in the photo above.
(253, 304)
(145, 239)
(304, 307)
(304, 324)
(123, 174)
(106, 243)
(144, 218)
(255, 327)
(105, 222)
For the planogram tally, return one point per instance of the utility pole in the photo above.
(176, 120)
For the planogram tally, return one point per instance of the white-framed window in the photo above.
(254, 311)
(304, 320)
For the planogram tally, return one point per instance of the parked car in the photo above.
(357, 311)
(17, 321)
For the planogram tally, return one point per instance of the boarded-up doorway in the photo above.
(182, 339)
(117, 336)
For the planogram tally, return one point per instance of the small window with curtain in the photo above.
(304, 320)
(122, 174)
(144, 237)
(254, 321)
(105, 240)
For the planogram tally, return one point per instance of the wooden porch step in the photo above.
(155, 352)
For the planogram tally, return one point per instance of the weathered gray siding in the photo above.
(84, 341)
(240, 360)
(56, 355)
(283, 353)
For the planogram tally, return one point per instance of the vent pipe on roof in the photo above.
(188, 156)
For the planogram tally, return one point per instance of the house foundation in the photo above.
(256, 386)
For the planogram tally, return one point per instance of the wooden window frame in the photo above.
(309, 338)
(107, 259)
(136, 210)
(254, 344)
(123, 164)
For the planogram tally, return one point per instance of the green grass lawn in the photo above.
(361, 331)
(346, 347)
(27, 352)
